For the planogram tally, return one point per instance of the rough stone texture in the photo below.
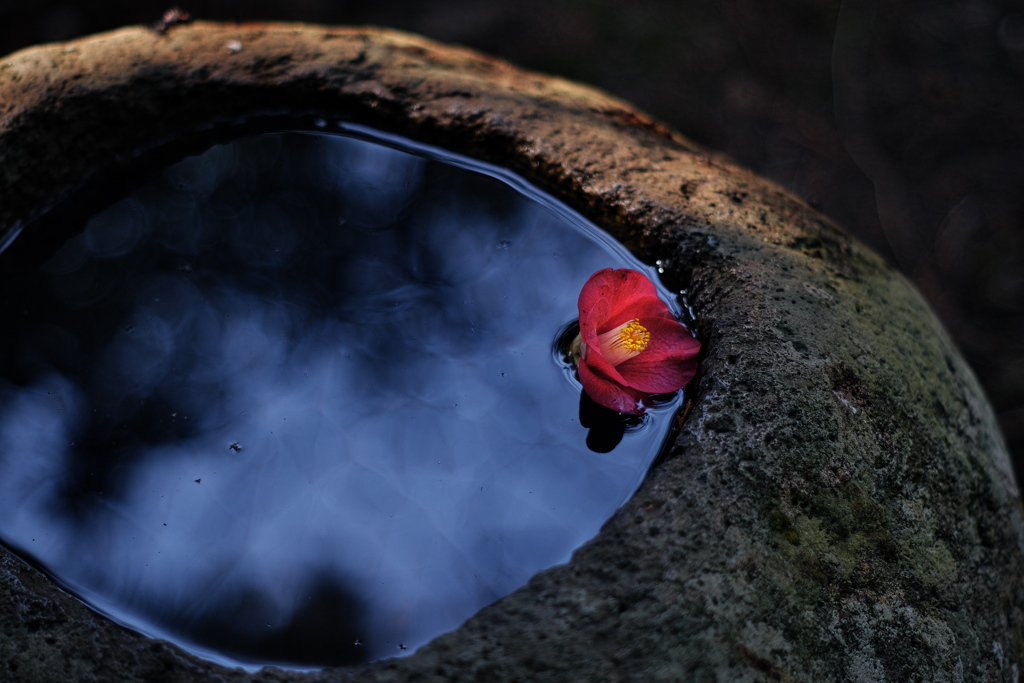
(838, 505)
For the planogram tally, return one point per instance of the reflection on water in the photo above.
(294, 400)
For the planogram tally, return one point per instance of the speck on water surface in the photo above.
(426, 352)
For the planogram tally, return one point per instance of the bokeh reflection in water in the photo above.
(294, 400)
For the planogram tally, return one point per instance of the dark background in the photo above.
(904, 121)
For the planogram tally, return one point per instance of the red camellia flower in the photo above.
(630, 345)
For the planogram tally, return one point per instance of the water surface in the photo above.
(294, 400)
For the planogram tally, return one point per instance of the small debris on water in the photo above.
(198, 480)
(233, 46)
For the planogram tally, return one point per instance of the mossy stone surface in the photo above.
(838, 504)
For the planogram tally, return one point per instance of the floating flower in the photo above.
(630, 345)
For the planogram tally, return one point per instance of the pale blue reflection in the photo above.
(299, 392)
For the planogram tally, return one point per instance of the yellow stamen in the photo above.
(624, 342)
(634, 336)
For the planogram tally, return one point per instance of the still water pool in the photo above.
(295, 399)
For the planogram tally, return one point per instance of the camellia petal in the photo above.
(600, 366)
(631, 346)
(620, 287)
(611, 394)
(598, 318)
(667, 366)
(612, 297)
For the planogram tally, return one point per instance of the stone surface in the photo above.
(838, 505)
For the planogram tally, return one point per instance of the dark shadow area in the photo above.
(323, 630)
(605, 426)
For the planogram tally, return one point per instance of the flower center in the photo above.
(624, 342)
(634, 336)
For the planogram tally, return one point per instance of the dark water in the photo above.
(294, 400)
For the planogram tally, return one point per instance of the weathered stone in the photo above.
(838, 504)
